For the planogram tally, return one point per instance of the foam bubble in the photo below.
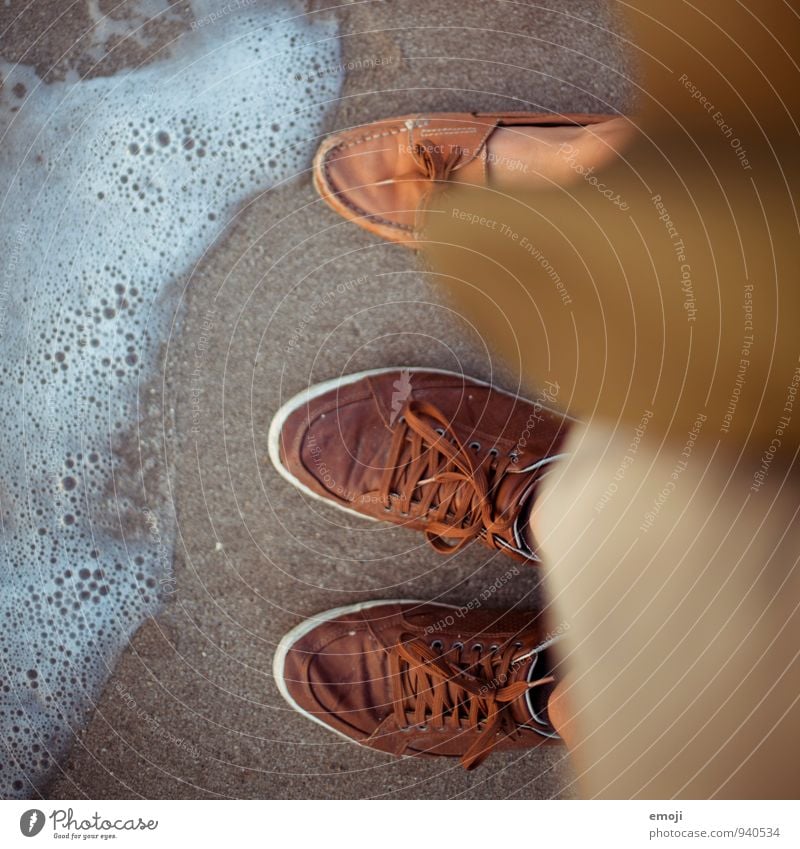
(111, 187)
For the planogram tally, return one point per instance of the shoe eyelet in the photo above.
(494, 452)
(437, 644)
(477, 647)
(494, 647)
(475, 446)
(440, 431)
(517, 645)
(422, 728)
(458, 645)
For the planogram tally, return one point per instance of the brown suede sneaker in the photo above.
(432, 450)
(417, 678)
(379, 175)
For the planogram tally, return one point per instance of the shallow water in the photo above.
(112, 188)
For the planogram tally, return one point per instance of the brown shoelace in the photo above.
(444, 690)
(431, 475)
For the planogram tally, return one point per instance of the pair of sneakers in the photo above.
(442, 454)
(459, 461)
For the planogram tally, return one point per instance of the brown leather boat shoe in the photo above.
(431, 450)
(417, 678)
(380, 175)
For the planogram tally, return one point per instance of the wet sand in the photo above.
(191, 709)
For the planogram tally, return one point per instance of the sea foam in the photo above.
(111, 188)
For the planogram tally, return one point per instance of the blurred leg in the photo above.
(682, 612)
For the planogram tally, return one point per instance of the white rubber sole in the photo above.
(283, 413)
(299, 631)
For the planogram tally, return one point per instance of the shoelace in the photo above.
(432, 475)
(443, 691)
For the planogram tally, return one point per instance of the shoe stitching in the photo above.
(423, 131)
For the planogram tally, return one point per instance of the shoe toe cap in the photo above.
(336, 446)
(373, 179)
(340, 677)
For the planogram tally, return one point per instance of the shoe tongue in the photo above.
(515, 486)
(520, 671)
(530, 708)
(512, 497)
